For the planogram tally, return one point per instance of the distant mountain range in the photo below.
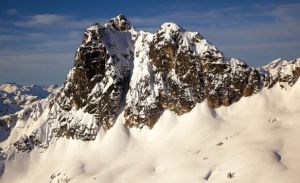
(14, 97)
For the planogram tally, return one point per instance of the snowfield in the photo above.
(253, 140)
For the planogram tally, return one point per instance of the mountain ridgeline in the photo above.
(118, 68)
(120, 71)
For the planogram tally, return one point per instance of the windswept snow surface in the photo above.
(253, 140)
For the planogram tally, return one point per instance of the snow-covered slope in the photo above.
(253, 140)
(158, 107)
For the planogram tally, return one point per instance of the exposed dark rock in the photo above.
(120, 23)
(27, 143)
(100, 77)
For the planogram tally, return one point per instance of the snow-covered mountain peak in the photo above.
(170, 27)
(276, 63)
(237, 62)
(282, 71)
(171, 33)
(120, 23)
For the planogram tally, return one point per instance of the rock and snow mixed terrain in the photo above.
(158, 107)
(14, 98)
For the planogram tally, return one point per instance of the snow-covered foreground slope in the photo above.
(253, 140)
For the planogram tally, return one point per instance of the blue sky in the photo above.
(38, 38)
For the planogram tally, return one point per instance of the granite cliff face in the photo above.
(119, 71)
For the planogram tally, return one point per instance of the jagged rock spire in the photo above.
(120, 23)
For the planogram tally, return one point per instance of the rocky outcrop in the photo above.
(226, 83)
(27, 143)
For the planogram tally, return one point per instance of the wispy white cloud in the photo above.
(288, 13)
(42, 19)
(48, 20)
(12, 11)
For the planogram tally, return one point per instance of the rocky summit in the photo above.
(120, 71)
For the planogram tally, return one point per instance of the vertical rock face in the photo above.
(176, 56)
(102, 69)
(117, 69)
